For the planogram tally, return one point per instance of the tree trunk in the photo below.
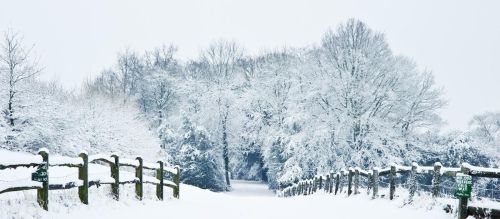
(225, 148)
(10, 108)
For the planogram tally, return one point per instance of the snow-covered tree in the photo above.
(199, 159)
(17, 68)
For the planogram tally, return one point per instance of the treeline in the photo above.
(290, 113)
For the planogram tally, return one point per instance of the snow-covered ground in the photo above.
(247, 200)
(240, 203)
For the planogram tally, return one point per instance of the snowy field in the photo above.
(247, 200)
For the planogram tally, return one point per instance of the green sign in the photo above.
(40, 175)
(464, 185)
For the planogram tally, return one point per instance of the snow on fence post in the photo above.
(177, 181)
(337, 182)
(392, 181)
(413, 181)
(462, 201)
(349, 182)
(436, 179)
(159, 177)
(83, 175)
(356, 181)
(375, 182)
(138, 174)
(115, 174)
(43, 193)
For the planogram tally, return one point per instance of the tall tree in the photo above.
(16, 66)
(221, 59)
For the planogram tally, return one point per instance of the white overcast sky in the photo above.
(458, 40)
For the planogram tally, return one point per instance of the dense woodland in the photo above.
(277, 116)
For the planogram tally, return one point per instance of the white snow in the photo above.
(249, 200)
(11, 158)
(151, 165)
(475, 169)
(59, 160)
(101, 157)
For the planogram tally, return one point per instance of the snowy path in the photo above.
(249, 189)
(249, 200)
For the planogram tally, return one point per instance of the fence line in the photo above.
(334, 183)
(82, 163)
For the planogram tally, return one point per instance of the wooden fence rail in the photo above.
(83, 184)
(335, 181)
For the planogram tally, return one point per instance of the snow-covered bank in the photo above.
(197, 203)
(248, 200)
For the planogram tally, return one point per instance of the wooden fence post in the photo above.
(177, 181)
(115, 174)
(301, 188)
(413, 181)
(375, 182)
(436, 179)
(327, 183)
(356, 181)
(138, 174)
(83, 175)
(370, 183)
(462, 201)
(43, 193)
(392, 182)
(315, 184)
(320, 184)
(341, 182)
(298, 188)
(337, 182)
(304, 187)
(159, 177)
(310, 186)
(349, 182)
(330, 188)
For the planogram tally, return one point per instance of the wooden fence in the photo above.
(331, 183)
(83, 184)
